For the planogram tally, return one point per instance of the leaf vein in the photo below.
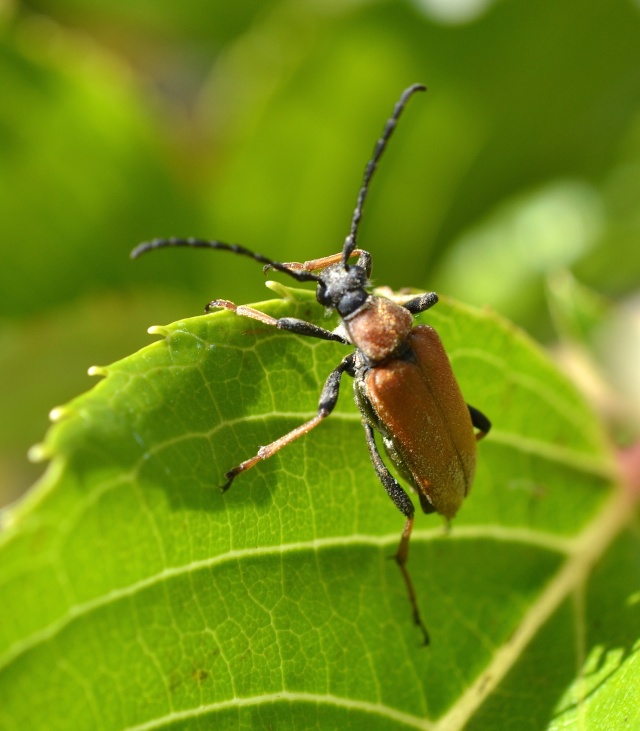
(495, 532)
(325, 699)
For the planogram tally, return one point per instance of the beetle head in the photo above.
(342, 288)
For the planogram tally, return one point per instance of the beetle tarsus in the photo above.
(230, 476)
(220, 305)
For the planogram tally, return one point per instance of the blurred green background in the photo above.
(251, 122)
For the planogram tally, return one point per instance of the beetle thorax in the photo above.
(379, 329)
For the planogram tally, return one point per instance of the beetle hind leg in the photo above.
(402, 501)
(480, 421)
(401, 557)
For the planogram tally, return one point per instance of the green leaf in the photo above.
(76, 171)
(137, 596)
(210, 23)
(59, 343)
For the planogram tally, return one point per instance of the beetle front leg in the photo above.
(421, 303)
(291, 324)
(364, 261)
(328, 400)
(402, 501)
(326, 261)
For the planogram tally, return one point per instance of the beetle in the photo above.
(404, 386)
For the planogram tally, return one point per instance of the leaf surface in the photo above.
(137, 596)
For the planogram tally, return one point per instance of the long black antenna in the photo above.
(350, 241)
(300, 276)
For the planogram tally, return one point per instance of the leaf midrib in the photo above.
(572, 574)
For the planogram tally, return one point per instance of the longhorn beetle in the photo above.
(404, 386)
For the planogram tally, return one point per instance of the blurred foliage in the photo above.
(252, 122)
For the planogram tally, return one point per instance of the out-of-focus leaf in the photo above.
(505, 261)
(613, 266)
(599, 345)
(579, 313)
(137, 596)
(82, 178)
(188, 20)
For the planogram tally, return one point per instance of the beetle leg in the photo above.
(421, 303)
(480, 421)
(291, 324)
(364, 261)
(323, 263)
(403, 502)
(328, 400)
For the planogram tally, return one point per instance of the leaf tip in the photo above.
(58, 413)
(97, 371)
(38, 453)
(158, 330)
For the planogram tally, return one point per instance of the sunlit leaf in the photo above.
(137, 596)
